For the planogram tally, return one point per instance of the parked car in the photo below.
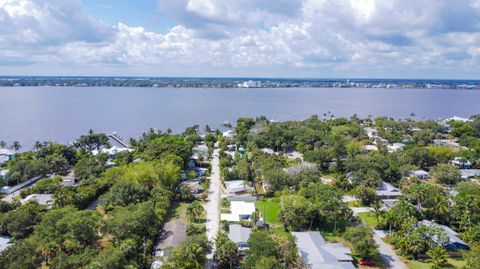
(366, 262)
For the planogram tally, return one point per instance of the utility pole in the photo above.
(265, 214)
(144, 250)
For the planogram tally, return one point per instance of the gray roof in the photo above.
(321, 255)
(389, 203)
(234, 186)
(297, 169)
(387, 189)
(4, 243)
(469, 173)
(419, 173)
(239, 234)
(452, 235)
(41, 199)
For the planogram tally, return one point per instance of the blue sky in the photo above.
(134, 13)
(259, 38)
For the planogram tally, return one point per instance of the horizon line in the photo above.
(240, 77)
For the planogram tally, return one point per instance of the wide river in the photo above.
(62, 114)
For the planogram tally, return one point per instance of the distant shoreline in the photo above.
(150, 82)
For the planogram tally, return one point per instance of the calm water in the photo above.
(63, 113)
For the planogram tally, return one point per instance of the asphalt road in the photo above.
(212, 206)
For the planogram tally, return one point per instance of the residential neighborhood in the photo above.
(327, 193)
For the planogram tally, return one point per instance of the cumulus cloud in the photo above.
(263, 37)
(49, 22)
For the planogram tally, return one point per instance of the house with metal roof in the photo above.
(237, 187)
(467, 174)
(461, 163)
(420, 174)
(4, 243)
(200, 152)
(387, 191)
(239, 235)
(319, 254)
(41, 199)
(297, 169)
(451, 242)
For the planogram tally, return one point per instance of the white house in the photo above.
(371, 132)
(5, 155)
(456, 118)
(395, 147)
(268, 151)
(111, 152)
(469, 173)
(370, 148)
(318, 254)
(420, 174)
(239, 210)
(461, 163)
(4, 243)
(228, 134)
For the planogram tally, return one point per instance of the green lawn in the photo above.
(420, 264)
(368, 218)
(270, 207)
(177, 211)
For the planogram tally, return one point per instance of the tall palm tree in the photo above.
(16, 145)
(377, 210)
(441, 208)
(38, 145)
(418, 193)
(194, 210)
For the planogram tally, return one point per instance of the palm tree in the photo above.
(438, 256)
(255, 217)
(418, 193)
(16, 145)
(377, 210)
(194, 210)
(441, 208)
(38, 145)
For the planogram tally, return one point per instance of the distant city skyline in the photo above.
(433, 39)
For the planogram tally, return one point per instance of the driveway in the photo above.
(357, 210)
(212, 206)
(386, 252)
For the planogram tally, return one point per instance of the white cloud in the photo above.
(395, 38)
